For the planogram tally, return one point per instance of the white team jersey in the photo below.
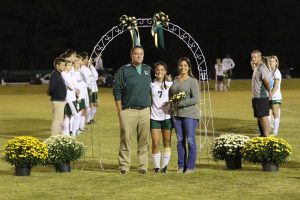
(277, 95)
(95, 78)
(227, 63)
(159, 110)
(219, 70)
(71, 96)
(90, 76)
(77, 78)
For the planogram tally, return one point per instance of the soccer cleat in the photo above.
(156, 170)
(274, 133)
(123, 172)
(164, 169)
(180, 171)
(143, 171)
(189, 171)
(93, 121)
(89, 123)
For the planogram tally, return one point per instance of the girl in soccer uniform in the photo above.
(219, 75)
(90, 77)
(160, 119)
(94, 90)
(71, 106)
(82, 87)
(275, 95)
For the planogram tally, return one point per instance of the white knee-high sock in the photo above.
(93, 112)
(71, 123)
(167, 156)
(82, 122)
(76, 122)
(156, 160)
(66, 130)
(276, 125)
(88, 114)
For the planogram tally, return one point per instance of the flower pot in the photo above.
(22, 171)
(233, 162)
(270, 167)
(63, 167)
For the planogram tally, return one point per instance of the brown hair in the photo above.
(276, 59)
(136, 47)
(164, 85)
(189, 64)
(57, 61)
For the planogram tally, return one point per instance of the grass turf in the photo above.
(25, 110)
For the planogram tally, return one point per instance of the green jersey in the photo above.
(132, 88)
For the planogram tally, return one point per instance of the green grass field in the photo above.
(25, 110)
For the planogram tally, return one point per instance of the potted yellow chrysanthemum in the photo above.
(25, 152)
(270, 151)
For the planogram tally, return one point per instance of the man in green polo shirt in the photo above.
(132, 97)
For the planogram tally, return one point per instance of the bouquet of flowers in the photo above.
(266, 149)
(25, 151)
(63, 149)
(228, 146)
(176, 98)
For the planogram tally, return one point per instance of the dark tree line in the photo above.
(34, 32)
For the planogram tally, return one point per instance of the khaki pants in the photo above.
(134, 121)
(57, 116)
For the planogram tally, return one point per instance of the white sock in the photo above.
(88, 115)
(93, 112)
(228, 82)
(66, 130)
(167, 156)
(156, 160)
(82, 122)
(276, 125)
(76, 123)
(71, 123)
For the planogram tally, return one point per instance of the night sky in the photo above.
(34, 32)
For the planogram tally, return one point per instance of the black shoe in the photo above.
(93, 121)
(156, 170)
(123, 172)
(143, 171)
(89, 123)
(164, 169)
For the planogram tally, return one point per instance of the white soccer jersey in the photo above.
(95, 78)
(71, 96)
(277, 95)
(159, 95)
(227, 63)
(80, 84)
(219, 70)
(90, 76)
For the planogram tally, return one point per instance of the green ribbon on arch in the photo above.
(135, 37)
(158, 34)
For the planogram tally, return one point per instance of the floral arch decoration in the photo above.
(206, 118)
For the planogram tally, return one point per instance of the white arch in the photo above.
(205, 103)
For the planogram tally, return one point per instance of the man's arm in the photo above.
(266, 82)
(118, 90)
(118, 106)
